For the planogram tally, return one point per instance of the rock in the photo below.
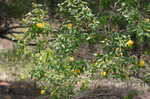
(6, 45)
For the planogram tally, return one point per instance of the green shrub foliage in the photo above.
(120, 26)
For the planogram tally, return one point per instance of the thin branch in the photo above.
(16, 32)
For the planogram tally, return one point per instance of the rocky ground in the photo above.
(11, 87)
(112, 89)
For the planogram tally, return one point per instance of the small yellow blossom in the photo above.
(71, 59)
(40, 25)
(130, 43)
(77, 71)
(42, 92)
(141, 63)
(146, 20)
(103, 73)
(69, 26)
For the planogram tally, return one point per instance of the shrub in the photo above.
(53, 60)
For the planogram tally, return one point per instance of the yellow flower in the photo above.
(77, 71)
(40, 25)
(141, 63)
(69, 26)
(71, 59)
(146, 20)
(103, 73)
(130, 43)
(42, 92)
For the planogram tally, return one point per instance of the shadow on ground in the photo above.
(29, 90)
(19, 90)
